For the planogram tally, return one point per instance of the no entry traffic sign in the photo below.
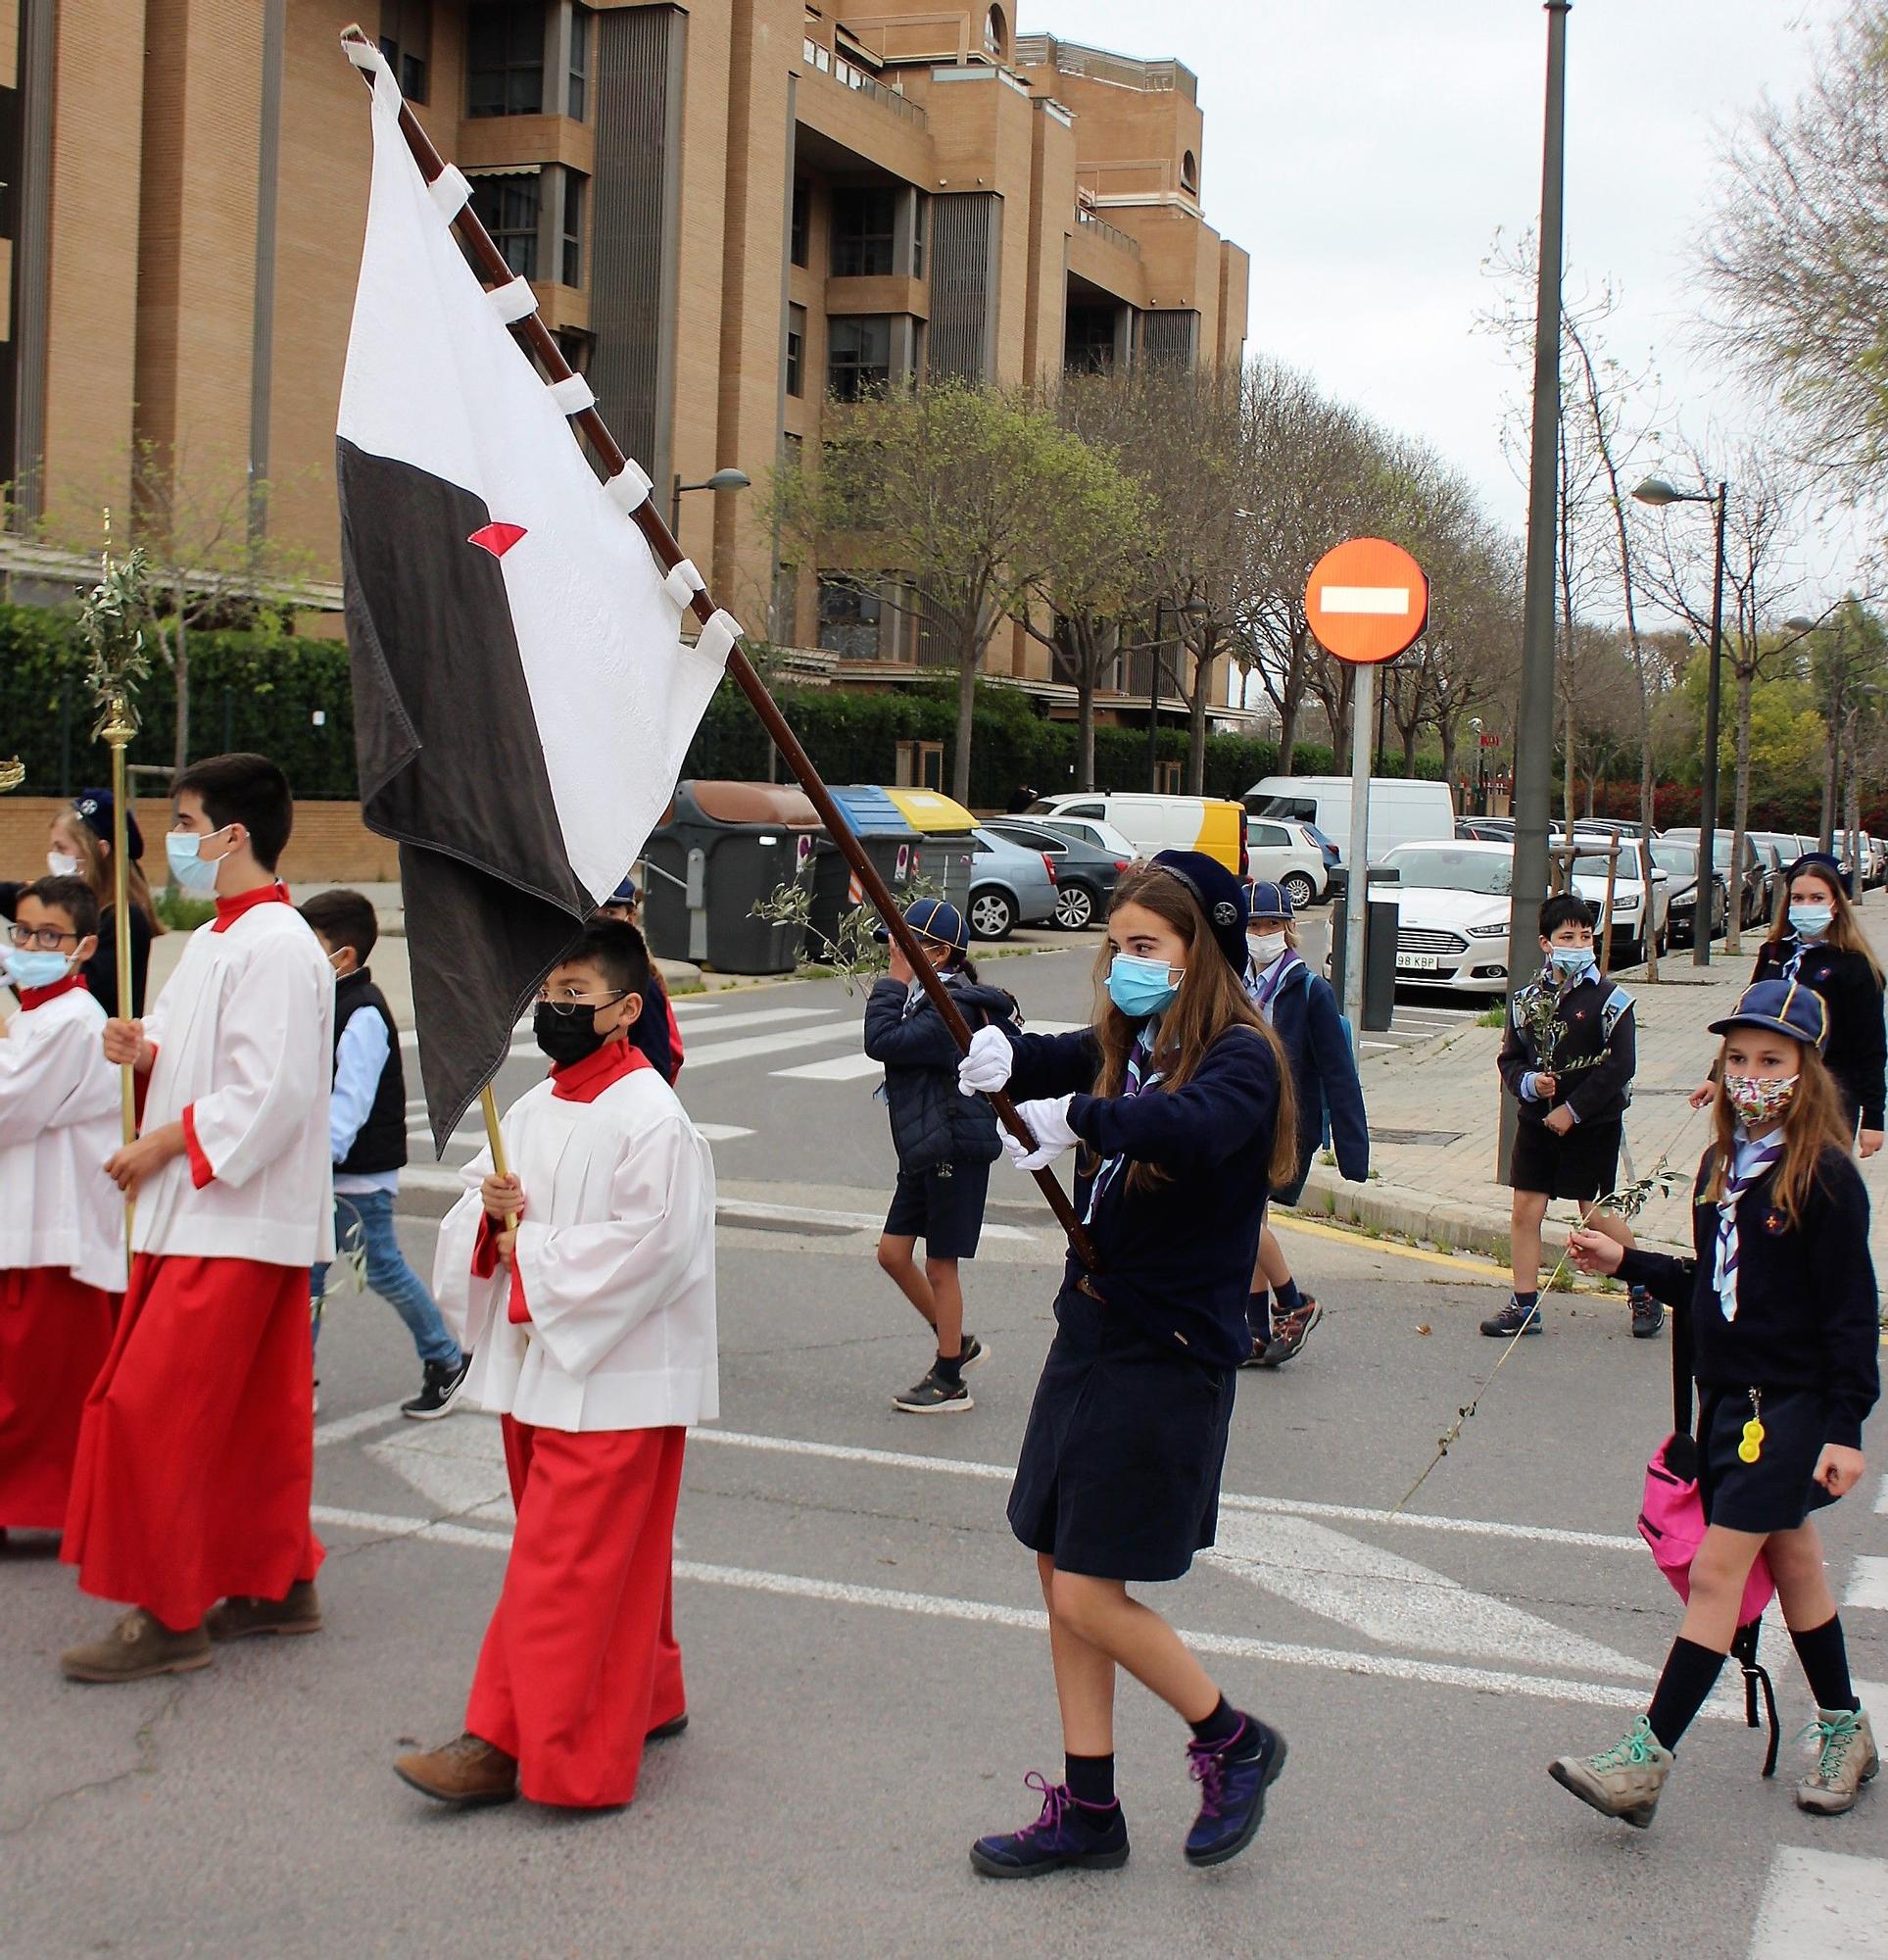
(1367, 601)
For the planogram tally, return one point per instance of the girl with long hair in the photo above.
(1783, 1304)
(1180, 1101)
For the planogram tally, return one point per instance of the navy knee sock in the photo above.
(1220, 1727)
(1690, 1674)
(1289, 1298)
(1825, 1660)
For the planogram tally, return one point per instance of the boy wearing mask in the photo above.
(1568, 1056)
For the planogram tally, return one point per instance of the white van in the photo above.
(1403, 810)
(1150, 823)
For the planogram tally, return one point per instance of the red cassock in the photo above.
(580, 1659)
(54, 1336)
(196, 1454)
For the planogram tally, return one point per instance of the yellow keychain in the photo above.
(1752, 1447)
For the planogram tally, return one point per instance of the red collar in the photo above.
(37, 996)
(584, 1081)
(229, 910)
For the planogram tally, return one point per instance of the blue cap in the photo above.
(1264, 901)
(96, 808)
(934, 919)
(1784, 1008)
(625, 893)
(1821, 860)
(1221, 897)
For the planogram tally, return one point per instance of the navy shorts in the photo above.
(1584, 1164)
(945, 1207)
(1777, 1492)
(1119, 1475)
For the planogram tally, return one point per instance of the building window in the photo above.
(507, 208)
(575, 345)
(504, 57)
(848, 621)
(1190, 174)
(573, 203)
(786, 620)
(864, 225)
(406, 41)
(578, 94)
(920, 766)
(1089, 340)
(995, 35)
(796, 350)
(919, 203)
(858, 355)
(802, 199)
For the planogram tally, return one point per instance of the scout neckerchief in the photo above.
(1138, 1077)
(1265, 989)
(1749, 1163)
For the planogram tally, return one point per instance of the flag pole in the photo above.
(537, 340)
(495, 1143)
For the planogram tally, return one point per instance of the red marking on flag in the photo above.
(498, 539)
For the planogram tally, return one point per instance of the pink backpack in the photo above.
(1672, 1520)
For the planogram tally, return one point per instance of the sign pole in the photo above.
(1357, 891)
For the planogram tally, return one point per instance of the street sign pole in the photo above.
(1357, 891)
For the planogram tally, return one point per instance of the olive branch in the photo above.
(115, 620)
(852, 951)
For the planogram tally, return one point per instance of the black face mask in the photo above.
(567, 1038)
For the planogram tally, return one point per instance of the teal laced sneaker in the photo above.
(1846, 1759)
(1621, 1782)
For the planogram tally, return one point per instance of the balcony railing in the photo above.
(849, 75)
(1111, 232)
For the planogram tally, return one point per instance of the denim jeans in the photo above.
(388, 1274)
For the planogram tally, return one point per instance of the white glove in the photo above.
(988, 1063)
(1049, 1123)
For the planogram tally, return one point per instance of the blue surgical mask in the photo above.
(1811, 921)
(34, 969)
(1567, 961)
(1140, 986)
(194, 873)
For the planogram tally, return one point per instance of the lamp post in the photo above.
(1195, 609)
(1657, 493)
(722, 479)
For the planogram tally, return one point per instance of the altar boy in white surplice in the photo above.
(592, 1327)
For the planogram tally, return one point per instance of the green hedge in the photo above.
(262, 691)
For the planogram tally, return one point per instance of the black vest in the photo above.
(382, 1144)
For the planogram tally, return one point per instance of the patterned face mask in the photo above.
(1759, 1101)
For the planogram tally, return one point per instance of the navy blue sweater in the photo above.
(932, 1122)
(1306, 1020)
(1856, 1048)
(1178, 1258)
(1806, 1306)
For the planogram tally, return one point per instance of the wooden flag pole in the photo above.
(494, 1141)
(118, 731)
(537, 340)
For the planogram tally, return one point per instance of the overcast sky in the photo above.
(1365, 153)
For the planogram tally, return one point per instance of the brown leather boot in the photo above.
(468, 1771)
(298, 1611)
(135, 1649)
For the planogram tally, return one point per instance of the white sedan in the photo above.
(1294, 855)
(1452, 900)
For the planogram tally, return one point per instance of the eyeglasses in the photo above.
(39, 937)
(577, 1004)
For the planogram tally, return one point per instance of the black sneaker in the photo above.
(1289, 1331)
(1513, 1320)
(970, 1352)
(664, 1732)
(1233, 1777)
(934, 1395)
(1648, 1315)
(439, 1390)
(1069, 1834)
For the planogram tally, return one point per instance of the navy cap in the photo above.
(96, 808)
(1221, 896)
(625, 893)
(1821, 860)
(934, 919)
(1784, 1008)
(1266, 901)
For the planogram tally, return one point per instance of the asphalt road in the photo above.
(867, 1680)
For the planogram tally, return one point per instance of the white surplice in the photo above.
(615, 1253)
(245, 1039)
(59, 1121)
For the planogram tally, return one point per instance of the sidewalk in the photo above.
(1433, 1112)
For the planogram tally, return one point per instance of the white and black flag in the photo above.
(522, 694)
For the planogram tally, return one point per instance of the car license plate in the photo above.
(1419, 963)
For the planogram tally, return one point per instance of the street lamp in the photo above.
(722, 479)
(1195, 609)
(1657, 493)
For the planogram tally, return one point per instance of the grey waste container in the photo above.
(1380, 949)
(723, 848)
(891, 843)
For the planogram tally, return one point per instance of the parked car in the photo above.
(1788, 848)
(1681, 861)
(1212, 825)
(1402, 810)
(1747, 880)
(1776, 873)
(1085, 830)
(1085, 875)
(1486, 830)
(1452, 897)
(1294, 855)
(1011, 884)
(1641, 895)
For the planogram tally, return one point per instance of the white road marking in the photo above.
(759, 1017)
(344, 1426)
(1371, 1044)
(722, 1133)
(1868, 1584)
(747, 1046)
(1822, 1905)
(436, 1531)
(1392, 601)
(1881, 1498)
(841, 1069)
(1395, 1601)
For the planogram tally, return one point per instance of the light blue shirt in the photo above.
(358, 1063)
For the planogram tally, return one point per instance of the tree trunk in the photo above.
(1290, 708)
(181, 667)
(1740, 800)
(1085, 727)
(967, 663)
(1445, 728)
(1409, 735)
(1197, 704)
(1567, 762)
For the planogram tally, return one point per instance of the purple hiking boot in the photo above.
(1233, 1777)
(1069, 1835)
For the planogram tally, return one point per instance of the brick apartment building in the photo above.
(729, 210)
